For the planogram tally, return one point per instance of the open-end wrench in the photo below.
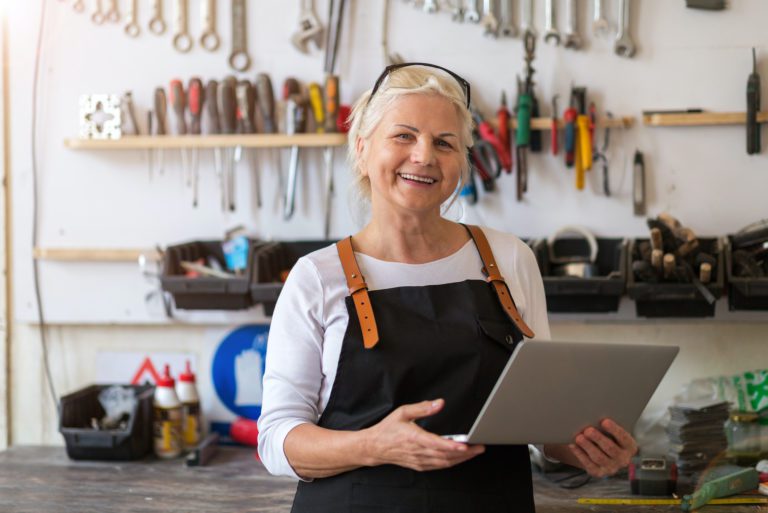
(472, 14)
(600, 25)
(572, 37)
(132, 27)
(527, 18)
(98, 15)
(209, 38)
(551, 34)
(508, 28)
(624, 46)
(181, 39)
(489, 21)
(310, 28)
(157, 23)
(239, 58)
(430, 6)
(113, 13)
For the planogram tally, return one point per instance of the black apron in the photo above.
(441, 341)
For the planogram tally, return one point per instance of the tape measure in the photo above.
(672, 502)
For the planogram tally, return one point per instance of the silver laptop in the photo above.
(550, 391)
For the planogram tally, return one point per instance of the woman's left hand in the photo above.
(604, 453)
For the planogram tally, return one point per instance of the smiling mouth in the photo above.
(415, 178)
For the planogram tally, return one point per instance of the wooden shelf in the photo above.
(94, 255)
(133, 142)
(701, 119)
(546, 123)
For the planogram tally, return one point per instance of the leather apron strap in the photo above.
(493, 276)
(358, 289)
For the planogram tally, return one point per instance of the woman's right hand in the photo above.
(398, 440)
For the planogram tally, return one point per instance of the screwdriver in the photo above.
(330, 113)
(554, 128)
(161, 110)
(179, 104)
(569, 118)
(523, 137)
(266, 108)
(246, 112)
(502, 117)
(331, 102)
(196, 100)
(294, 123)
(214, 128)
(228, 116)
(753, 106)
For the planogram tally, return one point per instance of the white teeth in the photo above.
(418, 178)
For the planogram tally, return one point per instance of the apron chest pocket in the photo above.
(502, 332)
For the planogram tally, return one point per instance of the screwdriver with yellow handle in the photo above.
(316, 102)
(585, 141)
(331, 116)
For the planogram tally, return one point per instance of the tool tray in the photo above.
(270, 263)
(669, 299)
(204, 292)
(600, 293)
(744, 293)
(85, 443)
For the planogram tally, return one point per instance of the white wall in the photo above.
(95, 199)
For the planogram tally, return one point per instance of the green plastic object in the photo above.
(720, 482)
(523, 132)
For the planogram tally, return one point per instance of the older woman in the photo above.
(395, 336)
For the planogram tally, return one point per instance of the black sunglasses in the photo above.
(393, 67)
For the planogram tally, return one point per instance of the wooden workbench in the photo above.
(44, 480)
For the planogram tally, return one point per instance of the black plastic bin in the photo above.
(204, 293)
(675, 299)
(270, 264)
(86, 443)
(744, 293)
(601, 293)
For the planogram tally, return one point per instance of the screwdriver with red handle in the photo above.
(195, 100)
(505, 138)
(161, 112)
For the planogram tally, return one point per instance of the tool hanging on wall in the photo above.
(753, 107)
(295, 123)
(239, 59)
(600, 24)
(572, 38)
(182, 41)
(524, 112)
(209, 37)
(638, 184)
(553, 128)
(489, 21)
(195, 100)
(228, 115)
(213, 126)
(330, 115)
(551, 34)
(161, 113)
(157, 23)
(129, 124)
(179, 105)
(389, 58)
(601, 155)
(268, 123)
(505, 137)
(246, 122)
(132, 28)
(507, 23)
(624, 46)
(310, 28)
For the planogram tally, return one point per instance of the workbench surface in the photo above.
(44, 480)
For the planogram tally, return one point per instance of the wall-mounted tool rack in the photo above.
(94, 254)
(546, 123)
(701, 118)
(134, 142)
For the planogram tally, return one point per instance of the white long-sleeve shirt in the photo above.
(310, 320)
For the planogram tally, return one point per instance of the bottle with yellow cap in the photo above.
(167, 417)
(190, 407)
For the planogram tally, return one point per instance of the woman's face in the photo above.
(414, 157)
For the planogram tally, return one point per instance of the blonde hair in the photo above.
(368, 112)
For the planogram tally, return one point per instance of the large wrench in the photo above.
(132, 27)
(527, 18)
(489, 21)
(600, 25)
(239, 58)
(157, 23)
(472, 14)
(551, 34)
(209, 39)
(181, 40)
(572, 37)
(310, 28)
(624, 46)
(508, 28)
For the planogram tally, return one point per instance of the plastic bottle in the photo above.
(167, 417)
(190, 407)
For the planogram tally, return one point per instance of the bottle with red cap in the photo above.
(167, 417)
(190, 407)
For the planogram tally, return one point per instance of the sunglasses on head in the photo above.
(393, 67)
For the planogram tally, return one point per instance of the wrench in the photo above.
(309, 28)
(132, 27)
(209, 39)
(508, 28)
(157, 23)
(79, 5)
(624, 46)
(572, 37)
(430, 6)
(527, 21)
(551, 34)
(457, 11)
(600, 25)
(98, 16)
(489, 21)
(239, 58)
(113, 13)
(471, 14)
(181, 40)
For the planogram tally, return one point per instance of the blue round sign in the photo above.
(238, 369)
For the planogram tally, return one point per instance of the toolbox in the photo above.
(668, 299)
(86, 443)
(744, 293)
(270, 264)
(600, 292)
(203, 293)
